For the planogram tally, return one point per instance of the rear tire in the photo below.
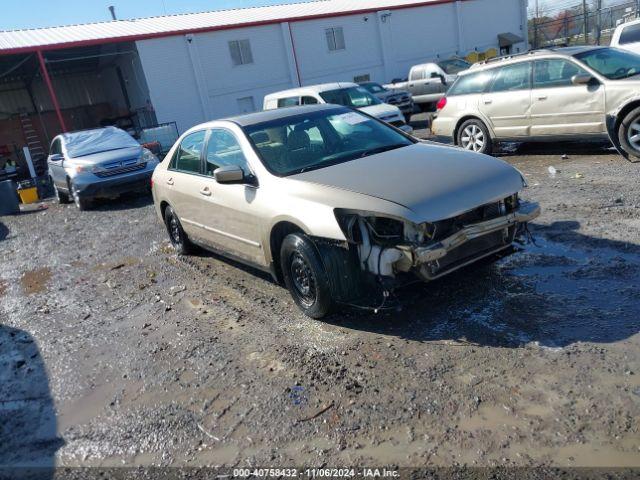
(81, 202)
(177, 235)
(305, 276)
(473, 135)
(629, 133)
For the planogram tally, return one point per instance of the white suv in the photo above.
(343, 93)
(573, 93)
(627, 36)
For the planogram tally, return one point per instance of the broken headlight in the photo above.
(378, 227)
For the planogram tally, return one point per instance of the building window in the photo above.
(240, 52)
(362, 78)
(246, 105)
(335, 38)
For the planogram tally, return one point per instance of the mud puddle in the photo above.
(35, 281)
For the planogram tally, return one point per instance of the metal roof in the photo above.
(17, 41)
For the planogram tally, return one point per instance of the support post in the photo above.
(52, 93)
(585, 21)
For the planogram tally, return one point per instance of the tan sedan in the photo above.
(339, 206)
(575, 93)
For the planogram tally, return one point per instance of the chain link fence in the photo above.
(577, 25)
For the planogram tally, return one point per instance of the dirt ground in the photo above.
(113, 351)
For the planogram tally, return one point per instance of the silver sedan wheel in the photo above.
(633, 134)
(472, 138)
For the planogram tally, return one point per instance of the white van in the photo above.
(627, 36)
(343, 93)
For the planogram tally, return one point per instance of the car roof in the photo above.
(523, 57)
(278, 113)
(323, 87)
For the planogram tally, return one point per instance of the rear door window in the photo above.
(187, 157)
(288, 102)
(417, 74)
(512, 78)
(630, 34)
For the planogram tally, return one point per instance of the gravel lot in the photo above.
(114, 351)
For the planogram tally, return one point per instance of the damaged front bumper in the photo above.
(470, 244)
(526, 213)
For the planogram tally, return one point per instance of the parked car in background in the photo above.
(574, 93)
(400, 98)
(428, 82)
(99, 163)
(337, 205)
(627, 36)
(343, 93)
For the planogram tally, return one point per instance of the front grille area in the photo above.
(468, 252)
(120, 170)
(448, 227)
(398, 99)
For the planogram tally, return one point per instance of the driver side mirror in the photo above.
(56, 157)
(582, 79)
(229, 174)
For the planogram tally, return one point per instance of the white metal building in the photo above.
(194, 67)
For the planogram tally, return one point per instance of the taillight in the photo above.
(151, 182)
(442, 103)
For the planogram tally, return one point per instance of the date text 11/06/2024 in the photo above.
(316, 472)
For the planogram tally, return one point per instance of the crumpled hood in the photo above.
(433, 182)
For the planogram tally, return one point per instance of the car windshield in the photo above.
(454, 66)
(374, 87)
(356, 97)
(299, 143)
(81, 144)
(611, 63)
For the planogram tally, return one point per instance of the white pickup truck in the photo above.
(428, 82)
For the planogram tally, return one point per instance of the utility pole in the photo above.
(599, 22)
(585, 22)
(535, 26)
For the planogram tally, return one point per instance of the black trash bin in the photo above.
(9, 203)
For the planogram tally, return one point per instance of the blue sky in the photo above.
(15, 14)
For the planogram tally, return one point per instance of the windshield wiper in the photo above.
(385, 148)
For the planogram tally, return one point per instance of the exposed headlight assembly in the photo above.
(148, 156)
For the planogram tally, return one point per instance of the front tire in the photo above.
(305, 276)
(629, 133)
(81, 202)
(61, 197)
(177, 235)
(473, 135)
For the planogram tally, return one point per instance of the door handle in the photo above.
(170, 181)
(543, 97)
(205, 191)
(488, 102)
